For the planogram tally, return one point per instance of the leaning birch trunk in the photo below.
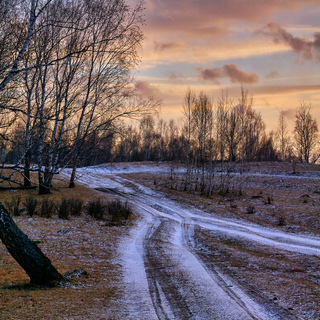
(26, 252)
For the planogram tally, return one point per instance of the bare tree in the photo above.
(188, 107)
(305, 131)
(15, 37)
(108, 94)
(282, 133)
(202, 116)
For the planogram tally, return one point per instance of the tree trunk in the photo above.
(26, 252)
(27, 182)
(73, 176)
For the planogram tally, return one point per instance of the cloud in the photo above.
(146, 89)
(230, 71)
(290, 113)
(299, 45)
(272, 74)
(176, 76)
(212, 17)
(162, 46)
(211, 74)
(285, 90)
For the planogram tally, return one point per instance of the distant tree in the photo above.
(188, 107)
(305, 131)
(147, 124)
(282, 135)
(223, 107)
(202, 116)
(233, 134)
(266, 150)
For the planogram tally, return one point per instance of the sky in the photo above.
(271, 47)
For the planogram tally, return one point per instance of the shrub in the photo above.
(13, 207)
(96, 209)
(118, 210)
(31, 205)
(281, 221)
(47, 208)
(64, 209)
(250, 210)
(269, 200)
(75, 207)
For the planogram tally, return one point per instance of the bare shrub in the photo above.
(48, 207)
(31, 205)
(96, 209)
(118, 210)
(64, 209)
(75, 207)
(281, 220)
(250, 210)
(13, 206)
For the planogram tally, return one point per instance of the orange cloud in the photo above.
(285, 89)
(230, 71)
(272, 74)
(146, 89)
(299, 45)
(208, 17)
(161, 46)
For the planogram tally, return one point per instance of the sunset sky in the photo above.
(271, 47)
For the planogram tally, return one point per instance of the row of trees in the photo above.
(229, 130)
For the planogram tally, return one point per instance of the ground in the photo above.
(182, 255)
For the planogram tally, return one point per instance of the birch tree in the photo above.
(305, 131)
(282, 133)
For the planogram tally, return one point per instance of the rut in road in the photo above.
(179, 286)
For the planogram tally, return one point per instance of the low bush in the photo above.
(75, 207)
(250, 210)
(118, 210)
(96, 209)
(13, 206)
(64, 209)
(47, 209)
(269, 200)
(69, 207)
(281, 221)
(31, 205)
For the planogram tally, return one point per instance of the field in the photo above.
(279, 197)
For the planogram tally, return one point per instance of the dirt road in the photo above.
(166, 274)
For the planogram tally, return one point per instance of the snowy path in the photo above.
(164, 276)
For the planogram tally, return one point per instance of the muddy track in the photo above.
(161, 274)
(179, 286)
(275, 311)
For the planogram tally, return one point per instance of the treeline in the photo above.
(207, 134)
(225, 131)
